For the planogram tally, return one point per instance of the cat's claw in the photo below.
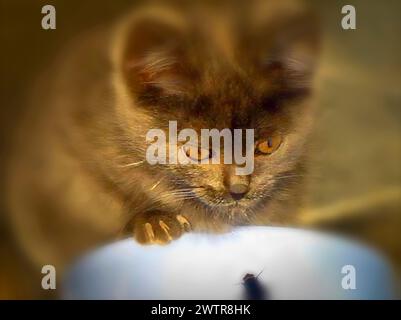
(158, 228)
(183, 222)
(149, 232)
(166, 229)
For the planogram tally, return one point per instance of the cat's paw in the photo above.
(160, 228)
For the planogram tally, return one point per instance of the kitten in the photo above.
(79, 177)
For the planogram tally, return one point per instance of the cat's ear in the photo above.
(288, 49)
(154, 59)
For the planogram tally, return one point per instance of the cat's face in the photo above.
(246, 77)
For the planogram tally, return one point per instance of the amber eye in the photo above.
(198, 154)
(269, 145)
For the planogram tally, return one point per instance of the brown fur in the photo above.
(78, 176)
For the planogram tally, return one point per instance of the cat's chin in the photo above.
(238, 209)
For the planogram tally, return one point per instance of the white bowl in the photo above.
(296, 264)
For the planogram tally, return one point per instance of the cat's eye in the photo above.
(269, 145)
(198, 154)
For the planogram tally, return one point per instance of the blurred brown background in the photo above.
(356, 175)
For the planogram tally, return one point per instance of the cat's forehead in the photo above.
(222, 98)
(226, 101)
(214, 110)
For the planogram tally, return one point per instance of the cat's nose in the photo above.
(238, 190)
(236, 185)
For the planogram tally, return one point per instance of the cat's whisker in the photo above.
(177, 195)
(190, 195)
(156, 184)
(183, 191)
(180, 193)
(288, 176)
(133, 164)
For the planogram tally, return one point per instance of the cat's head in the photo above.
(245, 68)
